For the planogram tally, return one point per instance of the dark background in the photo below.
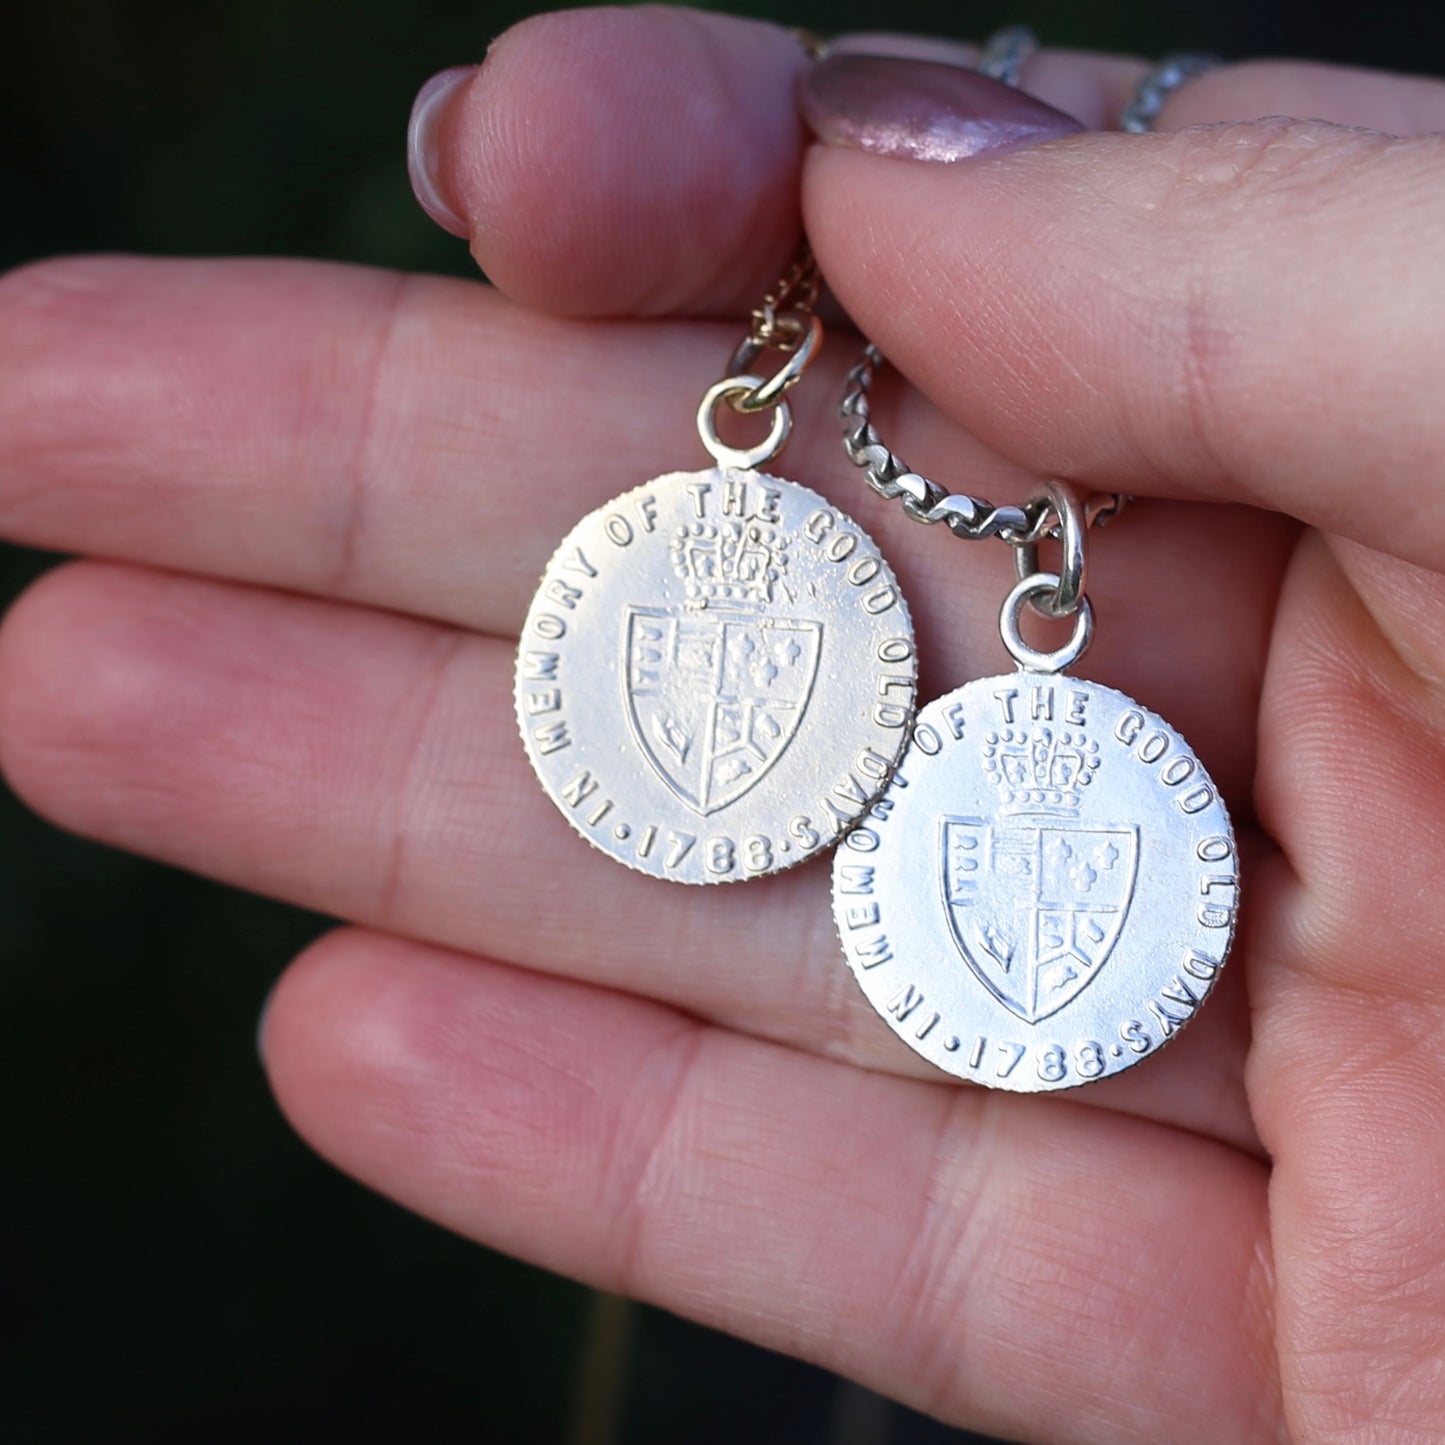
(175, 1265)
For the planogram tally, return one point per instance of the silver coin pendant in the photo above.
(1047, 891)
(716, 676)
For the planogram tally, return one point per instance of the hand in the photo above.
(325, 496)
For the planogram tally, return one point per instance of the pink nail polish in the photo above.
(422, 158)
(921, 109)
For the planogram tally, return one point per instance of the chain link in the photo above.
(971, 518)
(797, 291)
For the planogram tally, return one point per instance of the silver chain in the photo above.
(1159, 84)
(1005, 53)
(971, 518)
(785, 322)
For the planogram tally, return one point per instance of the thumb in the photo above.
(1248, 312)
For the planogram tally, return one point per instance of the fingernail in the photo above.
(903, 47)
(423, 158)
(921, 109)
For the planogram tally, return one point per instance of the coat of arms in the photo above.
(716, 688)
(1036, 898)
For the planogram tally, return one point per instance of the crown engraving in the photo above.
(732, 562)
(1037, 770)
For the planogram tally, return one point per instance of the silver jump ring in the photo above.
(1159, 84)
(744, 458)
(1063, 502)
(799, 358)
(1006, 52)
(1030, 658)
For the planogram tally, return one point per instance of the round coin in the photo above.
(716, 676)
(1046, 892)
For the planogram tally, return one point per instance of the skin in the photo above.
(316, 500)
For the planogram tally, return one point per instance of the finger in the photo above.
(326, 428)
(348, 432)
(368, 766)
(645, 161)
(622, 161)
(1345, 950)
(335, 430)
(423, 446)
(1120, 309)
(934, 1243)
(1403, 105)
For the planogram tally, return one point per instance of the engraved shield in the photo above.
(715, 695)
(1036, 903)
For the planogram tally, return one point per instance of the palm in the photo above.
(678, 1092)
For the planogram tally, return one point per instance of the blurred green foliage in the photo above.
(176, 1266)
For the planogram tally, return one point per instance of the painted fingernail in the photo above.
(921, 109)
(423, 157)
